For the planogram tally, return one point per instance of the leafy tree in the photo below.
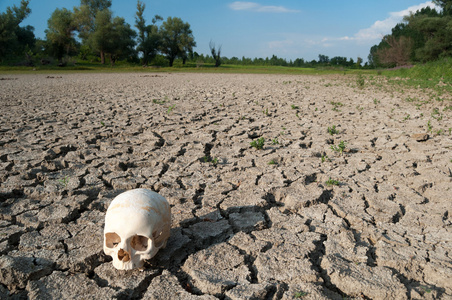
(60, 32)
(10, 31)
(148, 35)
(177, 39)
(123, 40)
(323, 59)
(112, 36)
(216, 53)
(446, 5)
(85, 17)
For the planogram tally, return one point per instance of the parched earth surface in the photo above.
(293, 220)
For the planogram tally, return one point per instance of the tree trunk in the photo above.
(102, 57)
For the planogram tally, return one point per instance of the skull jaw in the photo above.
(128, 265)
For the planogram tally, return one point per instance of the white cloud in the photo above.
(382, 27)
(252, 6)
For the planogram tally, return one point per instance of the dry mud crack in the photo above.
(293, 220)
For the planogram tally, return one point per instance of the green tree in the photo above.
(123, 40)
(446, 5)
(112, 36)
(148, 35)
(177, 39)
(60, 32)
(85, 17)
(13, 38)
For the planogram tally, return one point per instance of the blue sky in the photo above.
(287, 28)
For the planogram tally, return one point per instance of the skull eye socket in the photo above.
(112, 239)
(139, 243)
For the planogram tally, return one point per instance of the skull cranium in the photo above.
(137, 225)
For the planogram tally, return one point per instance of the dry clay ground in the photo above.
(294, 220)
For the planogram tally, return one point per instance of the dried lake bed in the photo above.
(349, 196)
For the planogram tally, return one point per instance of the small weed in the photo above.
(439, 132)
(376, 101)
(275, 141)
(300, 294)
(325, 158)
(429, 127)
(436, 114)
(170, 109)
(331, 182)
(339, 148)
(155, 101)
(426, 289)
(64, 181)
(332, 130)
(266, 112)
(207, 159)
(294, 106)
(272, 162)
(360, 81)
(336, 105)
(102, 123)
(258, 144)
(407, 117)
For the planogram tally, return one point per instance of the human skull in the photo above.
(137, 225)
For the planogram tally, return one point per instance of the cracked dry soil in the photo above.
(247, 223)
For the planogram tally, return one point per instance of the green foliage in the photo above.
(336, 105)
(340, 147)
(148, 35)
(272, 162)
(60, 33)
(325, 158)
(294, 106)
(14, 40)
(300, 294)
(275, 141)
(360, 81)
(258, 144)
(170, 108)
(331, 182)
(177, 39)
(332, 130)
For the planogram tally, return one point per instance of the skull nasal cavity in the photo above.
(112, 239)
(139, 243)
(123, 255)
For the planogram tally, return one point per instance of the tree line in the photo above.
(423, 36)
(100, 35)
(91, 32)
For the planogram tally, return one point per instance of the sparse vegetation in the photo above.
(340, 147)
(170, 109)
(64, 181)
(258, 144)
(331, 182)
(360, 81)
(332, 130)
(336, 105)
